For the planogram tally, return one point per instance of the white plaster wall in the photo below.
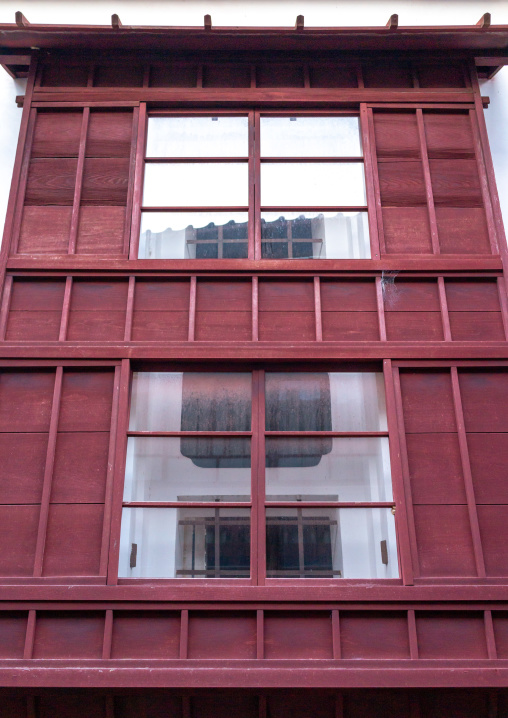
(257, 12)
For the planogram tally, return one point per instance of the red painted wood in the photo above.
(222, 635)
(78, 188)
(428, 183)
(386, 636)
(13, 627)
(68, 635)
(145, 635)
(447, 635)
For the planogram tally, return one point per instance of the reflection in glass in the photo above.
(190, 401)
(331, 543)
(312, 184)
(197, 137)
(335, 401)
(193, 235)
(310, 137)
(185, 543)
(344, 469)
(196, 184)
(315, 235)
(187, 469)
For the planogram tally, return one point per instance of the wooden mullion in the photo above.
(19, 205)
(29, 635)
(336, 644)
(192, 309)
(376, 230)
(108, 635)
(257, 185)
(48, 474)
(184, 634)
(256, 459)
(413, 636)
(443, 303)
(489, 635)
(428, 182)
(64, 320)
(137, 187)
(260, 495)
(4, 311)
(253, 140)
(260, 634)
(255, 309)
(317, 310)
(484, 183)
(129, 314)
(132, 181)
(78, 186)
(467, 475)
(380, 309)
(503, 303)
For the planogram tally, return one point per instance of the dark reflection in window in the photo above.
(288, 239)
(218, 241)
(227, 548)
(298, 402)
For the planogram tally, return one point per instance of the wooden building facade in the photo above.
(253, 375)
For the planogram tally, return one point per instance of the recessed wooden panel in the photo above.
(286, 296)
(160, 326)
(435, 469)
(477, 326)
(62, 74)
(453, 634)
(396, 134)
(401, 183)
(101, 230)
(385, 75)
(443, 537)
(97, 311)
(455, 183)
(45, 230)
(472, 295)
(22, 462)
(109, 134)
(386, 703)
(500, 621)
(493, 522)
(457, 703)
(441, 76)
(51, 181)
(462, 230)
(18, 534)
(28, 294)
(161, 295)
(484, 400)
(328, 76)
(301, 704)
(427, 401)
(402, 295)
(223, 326)
(222, 635)
(146, 634)
(374, 635)
(226, 76)
(211, 704)
(12, 634)
(414, 326)
(348, 296)
(407, 230)
(73, 540)
(274, 75)
(287, 326)
(350, 326)
(90, 295)
(80, 468)
(292, 634)
(77, 704)
(105, 181)
(69, 635)
(32, 394)
(118, 76)
(173, 75)
(488, 458)
(448, 135)
(35, 310)
(33, 326)
(57, 134)
(217, 296)
(96, 326)
(86, 401)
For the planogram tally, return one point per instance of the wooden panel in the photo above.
(485, 400)
(173, 75)
(427, 402)
(348, 296)
(33, 326)
(69, 635)
(161, 295)
(12, 634)
(387, 75)
(500, 622)
(81, 464)
(298, 635)
(414, 326)
(118, 76)
(287, 326)
(475, 296)
(456, 183)
(226, 76)
(160, 326)
(448, 135)
(286, 295)
(374, 635)
(105, 181)
(78, 526)
(96, 326)
(407, 230)
(323, 76)
(451, 635)
(145, 634)
(18, 534)
(396, 134)
(443, 536)
(65, 75)
(477, 326)
(435, 469)
(462, 230)
(222, 635)
(493, 522)
(220, 296)
(296, 704)
(109, 134)
(223, 326)
(488, 456)
(279, 76)
(93, 295)
(35, 310)
(22, 458)
(86, 401)
(97, 311)
(45, 230)
(441, 76)
(51, 181)
(43, 294)
(101, 230)
(350, 326)
(31, 393)
(211, 704)
(78, 704)
(411, 296)
(57, 134)
(401, 183)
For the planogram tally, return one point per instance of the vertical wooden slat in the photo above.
(130, 309)
(260, 495)
(30, 635)
(317, 310)
(380, 309)
(466, 471)
(503, 303)
(257, 186)
(484, 184)
(184, 633)
(108, 494)
(76, 203)
(260, 634)
(413, 636)
(251, 253)
(443, 303)
(489, 635)
(137, 190)
(132, 181)
(192, 309)
(256, 460)
(4, 311)
(336, 647)
(48, 474)
(377, 243)
(21, 187)
(255, 309)
(428, 182)
(64, 320)
(108, 634)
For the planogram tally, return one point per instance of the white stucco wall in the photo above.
(257, 12)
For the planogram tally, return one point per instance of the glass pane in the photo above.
(312, 184)
(328, 469)
(310, 137)
(185, 543)
(197, 137)
(196, 184)
(193, 235)
(335, 401)
(187, 469)
(315, 235)
(331, 543)
(190, 401)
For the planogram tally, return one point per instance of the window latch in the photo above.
(134, 555)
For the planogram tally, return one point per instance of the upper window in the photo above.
(254, 186)
(258, 475)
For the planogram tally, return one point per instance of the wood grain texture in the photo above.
(45, 230)
(401, 184)
(407, 230)
(145, 634)
(57, 134)
(105, 181)
(101, 230)
(109, 134)
(310, 636)
(68, 635)
(396, 134)
(445, 546)
(386, 635)
(219, 635)
(51, 181)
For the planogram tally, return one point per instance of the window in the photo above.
(254, 186)
(255, 475)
